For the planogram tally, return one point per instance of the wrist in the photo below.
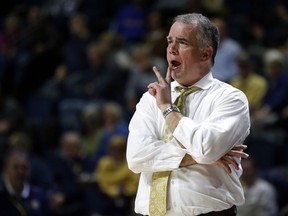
(169, 109)
(163, 107)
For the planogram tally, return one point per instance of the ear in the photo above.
(207, 54)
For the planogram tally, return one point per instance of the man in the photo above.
(17, 195)
(260, 195)
(216, 120)
(253, 85)
(225, 67)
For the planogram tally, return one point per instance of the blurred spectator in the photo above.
(225, 66)
(11, 111)
(22, 141)
(58, 12)
(68, 164)
(130, 21)
(13, 52)
(156, 31)
(11, 35)
(256, 43)
(98, 13)
(17, 195)
(115, 180)
(113, 124)
(253, 85)
(179, 5)
(74, 48)
(92, 122)
(60, 8)
(276, 97)
(141, 73)
(113, 119)
(72, 152)
(278, 30)
(118, 56)
(213, 8)
(98, 81)
(260, 195)
(11, 118)
(42, 43)
(278, 177)
(54, 88)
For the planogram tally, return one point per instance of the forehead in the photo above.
(17, 159)
(181, 30)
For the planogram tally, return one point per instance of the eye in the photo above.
(184, 42)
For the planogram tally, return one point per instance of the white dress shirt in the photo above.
(217, 119)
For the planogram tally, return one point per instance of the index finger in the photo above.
(168, 75)
(159, 77)
(240, 147)
(238, 154)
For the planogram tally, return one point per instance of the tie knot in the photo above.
(186, 91)
(180, 100)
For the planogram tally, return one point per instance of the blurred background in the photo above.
(72, 71)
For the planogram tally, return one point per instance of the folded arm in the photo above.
(224, 161)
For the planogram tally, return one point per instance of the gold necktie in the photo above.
(158, 193)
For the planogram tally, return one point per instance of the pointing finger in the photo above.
(168, 75)
(157, 73)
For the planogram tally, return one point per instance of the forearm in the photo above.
(149, 154)
(172, 120)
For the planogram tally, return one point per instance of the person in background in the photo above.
(97, 82)
(129, 21)
(182, 141)
(275, 100)
(92, 128)
(73, 154)
(253, 85)
(73, 51)
(140, 74)
(260, 195)
(156, 31)
(115, 180)
(68, 164)
(225, 67)
(113, 124)
(11, 119)
(17, 195)
(22, 141)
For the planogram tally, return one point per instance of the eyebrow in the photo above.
(178, 39)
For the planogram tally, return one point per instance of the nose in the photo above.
(172, 49)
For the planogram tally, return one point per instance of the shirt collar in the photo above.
(25, 192)
(203, 83)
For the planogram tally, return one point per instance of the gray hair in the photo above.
(207, 34)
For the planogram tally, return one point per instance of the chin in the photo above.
(175, 76)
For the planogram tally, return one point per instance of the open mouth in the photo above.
(175, 64)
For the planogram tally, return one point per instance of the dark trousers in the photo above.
(227, 212)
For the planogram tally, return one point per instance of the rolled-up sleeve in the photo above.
(208, 137)
(146, 151)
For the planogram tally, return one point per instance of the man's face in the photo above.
(17, 170)
(183, 54)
